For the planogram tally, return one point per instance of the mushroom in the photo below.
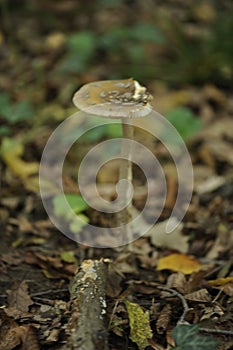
(124, 99)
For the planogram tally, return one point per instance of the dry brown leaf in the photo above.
(28, 337)
(8, 337)
(125, 263)
(174, 240)
(179, 262)
(164, 319)
(16, 335)
(177, 281)
(225, 284)
(18, 297)
(223, 242)
(211, 312)
(195, 280)
(200, 295)
(210, 184)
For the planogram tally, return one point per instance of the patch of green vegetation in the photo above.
(104, 131)
(185, 122)
(128, 42)
(187, 338)
(81, 48)
(139, 33)
(110, 3)
(77, 205)
(12, 113)
(204, 57)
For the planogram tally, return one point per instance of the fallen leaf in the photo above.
(75, 202)
(163, 319)
(221, 281)
(174, 240)
(68, 257)
(19, 297)
(29, 337)
(223, 242)
(187, 337)
(211, 312)
(179, 262)
(200, 295)
(9, 338)
(225, 284)
(139, 321)
(11, 152)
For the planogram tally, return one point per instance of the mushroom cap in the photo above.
(114, 99)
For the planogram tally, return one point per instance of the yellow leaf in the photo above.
(11, 152)
(32, 183)
(221, 281)
(139, 322)
(68, 257)
(180, 263)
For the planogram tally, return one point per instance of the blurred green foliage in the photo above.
(158, 50)
(81, 49)
(185, 122)
(101, 41)
(75, 204)
(204, 57)
(105, 131)
(187, 338)
(13, 113)
(109, 3)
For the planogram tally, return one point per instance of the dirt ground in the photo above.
(183, 278)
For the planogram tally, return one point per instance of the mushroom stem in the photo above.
(126, 173)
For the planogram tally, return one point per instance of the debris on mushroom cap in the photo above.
(114, 99)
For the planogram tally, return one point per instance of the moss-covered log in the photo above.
(87, 325)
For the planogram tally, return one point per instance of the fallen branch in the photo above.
(87, 325)
(174, 293)
(216, 331)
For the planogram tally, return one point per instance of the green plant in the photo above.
(96, 133)
(107, 130)
(77, 204)
(184, 120)
(205, 56)
(128, 42)
(141, 32)
(81, 48)
(131, 43)
(187, 338)
(13, 113)
(110, 3)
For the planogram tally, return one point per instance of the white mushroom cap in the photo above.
(114, 99)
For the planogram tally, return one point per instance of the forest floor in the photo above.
(160, 275)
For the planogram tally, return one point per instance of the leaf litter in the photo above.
(37, 262)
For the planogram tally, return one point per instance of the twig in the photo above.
(187, 309)
(216, 331)
(174, 293)
(38, 294)
(112, 314)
